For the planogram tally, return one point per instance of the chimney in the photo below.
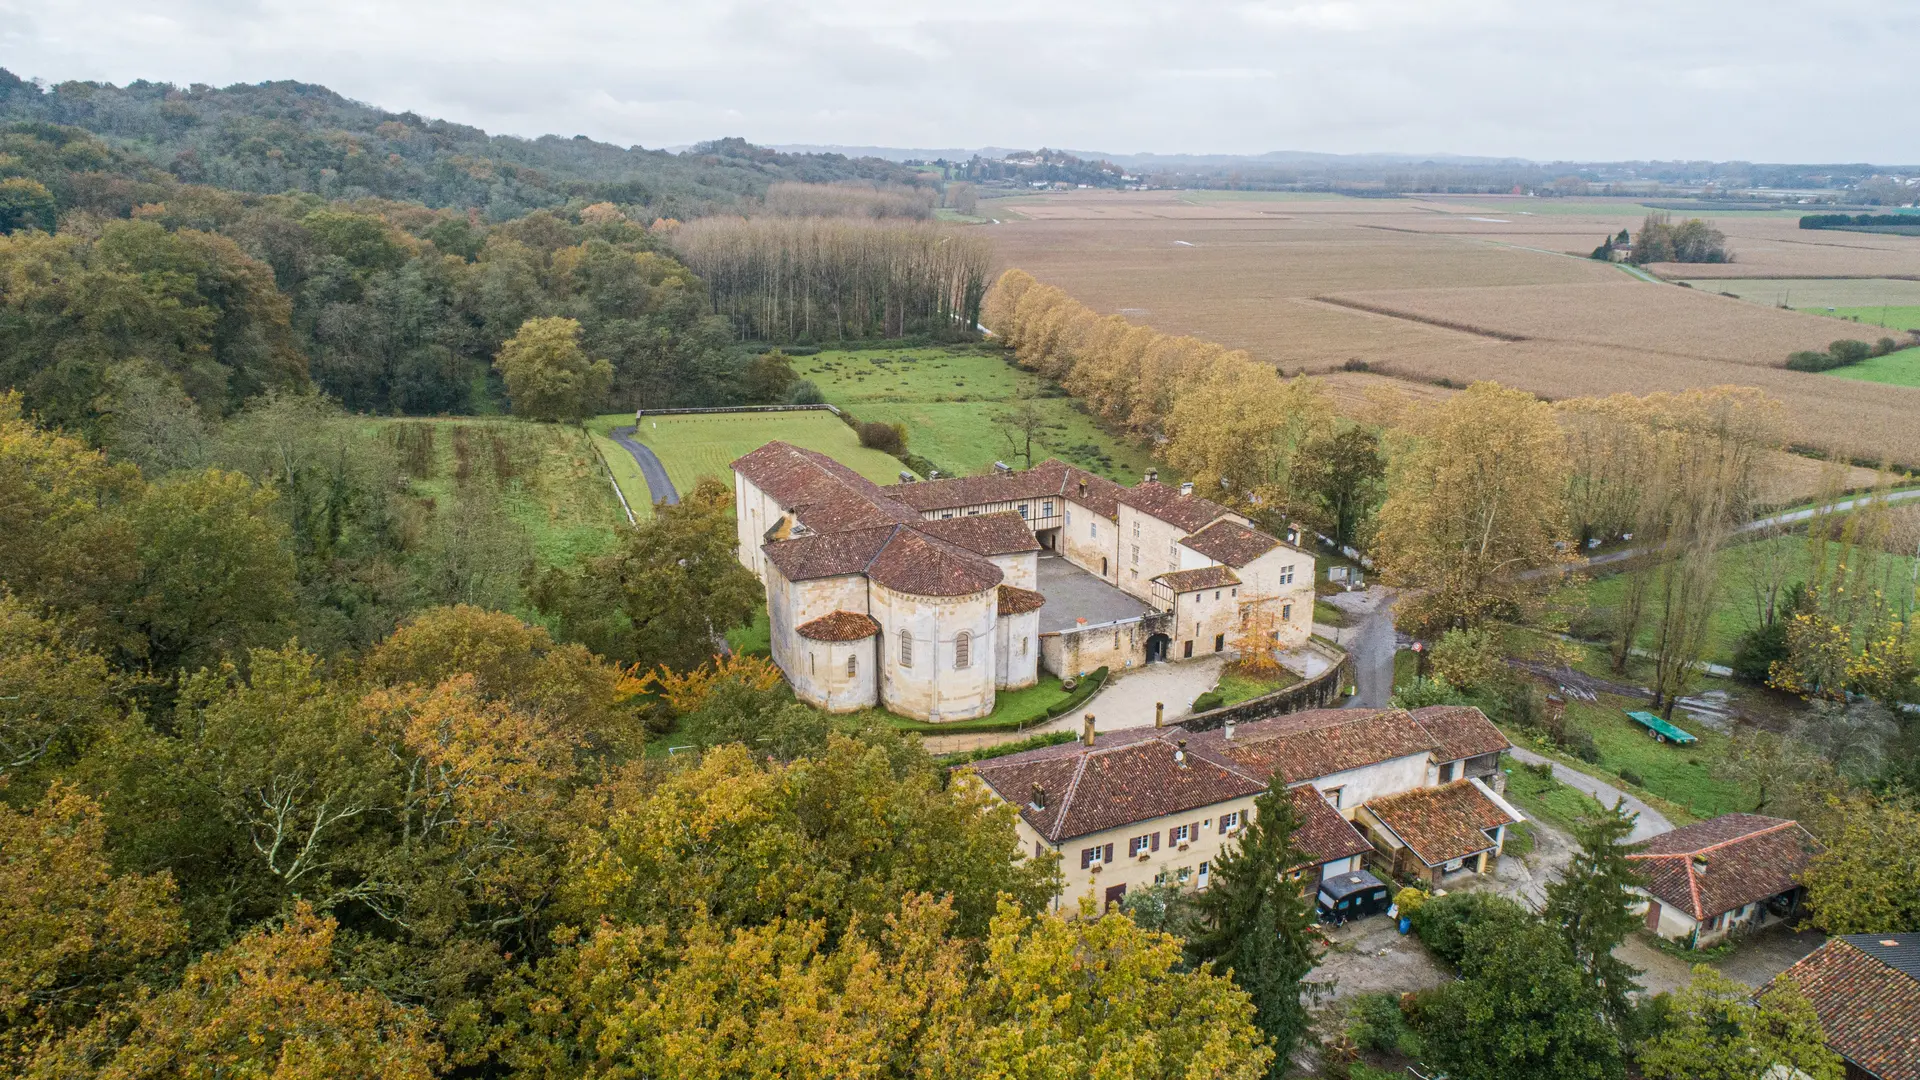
(1229, 729)
(1186, 487)
(1003, 469)
(1152, 476)
(1160, 715)
(1086, 729)
(1039, 801)
(1180, 753)
(1083, 489)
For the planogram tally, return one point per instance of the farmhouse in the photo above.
(1866, 990)
(1708, 879)
(1154, 805)
(929, 597)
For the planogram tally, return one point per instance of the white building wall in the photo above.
(931, 687)
(1021, 570)
(1114, 646)
(1136, 873)
(1087, 538)
(1148, 547)
(822, 679)
(792, 604)
(1017, 647)
(1357, 786)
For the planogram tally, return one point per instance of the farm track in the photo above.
(658, 485)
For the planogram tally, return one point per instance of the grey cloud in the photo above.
(1633, 79)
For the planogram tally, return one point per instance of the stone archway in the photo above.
(1157, 646)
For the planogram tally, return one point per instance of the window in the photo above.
(1142, 844)
(1095, 855)
(810, 663)
(944, 514)
(1186, 650)
(1333, 796)
(974, 512)
(1216, 594)
(1069, 517)
(1183, 874)
(853, 665)
(1180, 834)
(1023, 509)
(962, 651)
(1136, 530)
(1023, 646)
(1286, 612)
(906, 648)
(1203, 875)
(1286, 575)
(1093, 529)
(1173, 551)
(1235, 591)
(1229, 821)
(1136, 554)
(1219, 642)
(1135, 573)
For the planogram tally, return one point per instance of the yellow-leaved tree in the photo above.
(1476, 498)
(548, 374)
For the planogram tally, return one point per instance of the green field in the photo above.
(952, 399)
(1736, 612)
(626, 473)
(1895, 369)
(1886, 317)
(1680, 774)
(705, 444)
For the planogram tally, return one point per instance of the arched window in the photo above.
(853, 664)
(962, 650)
(906, 648)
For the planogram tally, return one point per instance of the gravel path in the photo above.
(1370, 642)
(658, 485)
(1650, 822)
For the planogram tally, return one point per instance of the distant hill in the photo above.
(291, 136)
(1153, 160)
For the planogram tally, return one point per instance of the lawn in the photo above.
(1680, 774)
(754, 640)
(1735, 613)
(1544, 798)
(1236, 686)
(1008, 707)
(626, 473)
(698, 445)
(951, 400)
(1895, 369)
(1888, 316)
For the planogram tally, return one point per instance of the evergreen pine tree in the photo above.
(1256, 923)
(1590, 903)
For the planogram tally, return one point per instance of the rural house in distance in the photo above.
(1154, 805)
(1708, 879)
(1866, 990)
(929, 597)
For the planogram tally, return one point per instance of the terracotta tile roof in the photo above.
(1125, 777)
(839, 626)
(1440, 824)
(1748, 857)
(1206, 577)
(1188, 512)
(1017, 601)
(825, 495)
(1460, 731)
(1323, 835)
(1316, 743)
(985, 534)
(1870, 1010)
(1231, 543)
(902, 559)
(1050, 477)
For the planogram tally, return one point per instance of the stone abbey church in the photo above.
(929, 597)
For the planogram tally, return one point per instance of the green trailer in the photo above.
(1659, 729)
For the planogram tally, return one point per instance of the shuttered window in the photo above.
(963, 650)
(906, 648)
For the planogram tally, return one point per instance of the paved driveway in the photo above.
(658, 485)
(1370, 641)
(1650, 822)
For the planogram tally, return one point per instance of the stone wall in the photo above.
(1320, 692)
(932, 687)
(1087, 539)
(1116, 646)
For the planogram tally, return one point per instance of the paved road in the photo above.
(1650, 821)
(658, 485)
(1370, 642)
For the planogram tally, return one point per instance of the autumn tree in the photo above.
(1241, 436)
(669, 593)
(271, 1004)
(1255, 635)
(1592, 901)
(1867, 880)
(55, 694)
(548, 374)
(1342, 476)
(1257, 925)
(1474, 502)
(1717, 1029)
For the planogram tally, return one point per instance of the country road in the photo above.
(1790, 517)
(658, 485)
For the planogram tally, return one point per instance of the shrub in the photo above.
(1422, 691)
(1212, 699)
(1375, 1022)
(886, 438)
(1579, 742)
(1443, 922)
(1849, 352)
(1753, 658)
(1633, 778)
(1541, 769)
(1809, 361)
(806, 392)
(1884, 346)
(1410, 899)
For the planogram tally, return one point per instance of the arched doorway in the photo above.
(1157, 646)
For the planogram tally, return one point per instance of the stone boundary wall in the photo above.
(739, 409)
(1320, 692)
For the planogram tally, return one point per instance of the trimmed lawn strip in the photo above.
(1235, 687)
(1012, 709)
(694, 446)
(626, 473)
(1044, 739)
(1547, 799)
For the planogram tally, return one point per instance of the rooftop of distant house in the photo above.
(1724, 863)
(1866, 990)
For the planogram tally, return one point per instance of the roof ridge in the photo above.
(1784, 824)
(1066, 801)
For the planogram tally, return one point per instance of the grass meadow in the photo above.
(702, 445)
(950, 400)
(1894, 369)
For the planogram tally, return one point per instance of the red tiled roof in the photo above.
(824, 555)
(1869, 1010)
(1318, 742)
(1441, 824)
(839, 626)
(1125, 777)
(1748, 857)
(1050, 477)
(985, 534)
(1460, 731)
(825, 495)
(1188, 512)
(1322, 834)
(1206, 577)
(1231, 543)
(900, 558)
(1017, 601)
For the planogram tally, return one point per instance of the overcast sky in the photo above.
(1833, 80)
